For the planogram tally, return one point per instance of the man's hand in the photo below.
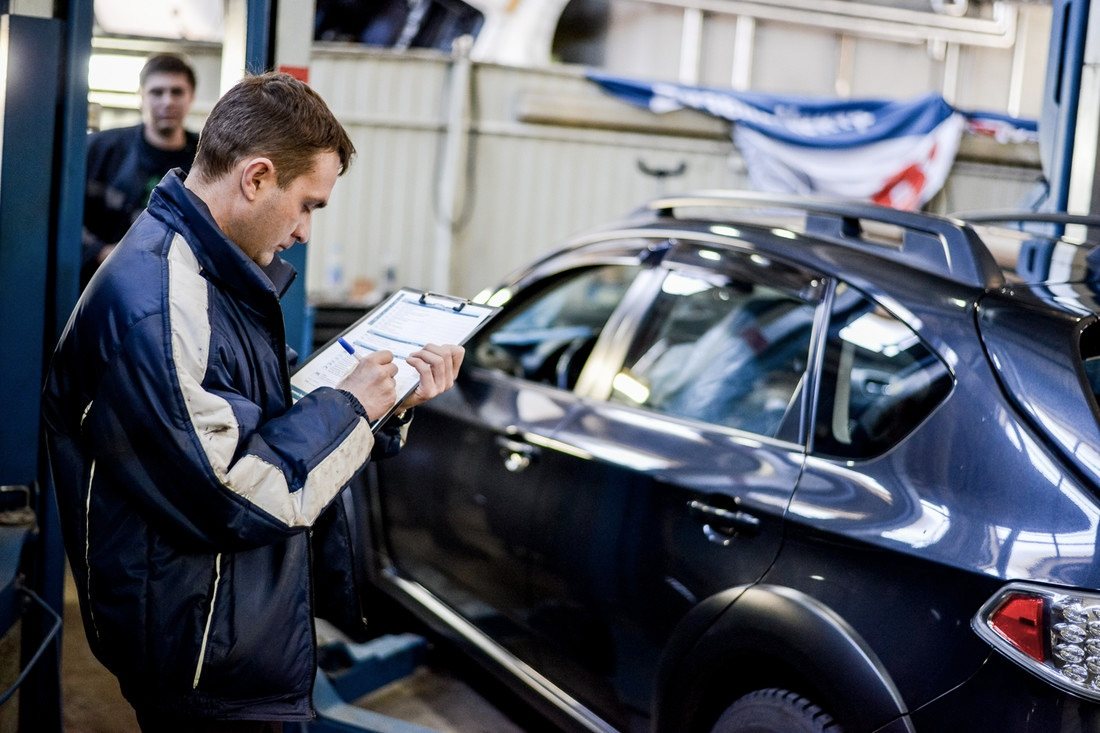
(373, 384)
(438, 367)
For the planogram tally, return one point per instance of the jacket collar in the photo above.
(220, 258)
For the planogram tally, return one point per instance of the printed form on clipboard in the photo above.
(403, 323)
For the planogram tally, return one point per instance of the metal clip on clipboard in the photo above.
(443, 299)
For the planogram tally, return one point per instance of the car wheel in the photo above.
(775, 711)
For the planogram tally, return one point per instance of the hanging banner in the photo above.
(895, 153)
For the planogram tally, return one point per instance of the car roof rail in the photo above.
(1011, 216)
(941, 245)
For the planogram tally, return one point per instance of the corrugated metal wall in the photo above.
(548, 154)
(527, 183)
(541, 153)
(380, 215)
(978, 54)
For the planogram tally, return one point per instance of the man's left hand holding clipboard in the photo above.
(401, 354)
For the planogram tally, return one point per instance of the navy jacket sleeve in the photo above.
(186, 411)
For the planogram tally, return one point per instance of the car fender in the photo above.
(753, 637)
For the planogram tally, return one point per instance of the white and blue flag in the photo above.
(895, 153)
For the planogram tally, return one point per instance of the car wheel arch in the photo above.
(751, 637)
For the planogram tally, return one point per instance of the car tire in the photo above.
(775, 711)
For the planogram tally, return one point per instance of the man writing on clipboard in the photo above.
(189, 484)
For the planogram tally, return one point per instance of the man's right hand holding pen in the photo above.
(373, 380)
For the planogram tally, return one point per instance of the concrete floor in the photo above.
(431, 697)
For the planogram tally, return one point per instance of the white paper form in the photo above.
(403, 323)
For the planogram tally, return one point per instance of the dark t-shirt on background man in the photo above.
(123, 168)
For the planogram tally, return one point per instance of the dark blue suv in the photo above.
(744, 463)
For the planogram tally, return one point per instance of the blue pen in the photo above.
(347, 347)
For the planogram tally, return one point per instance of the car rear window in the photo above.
(879, 380)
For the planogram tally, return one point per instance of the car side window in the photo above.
(722, 350)
(548, 336)
(879, 380)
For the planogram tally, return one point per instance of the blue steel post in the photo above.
(70, 167)
(1061, 95)
(41, 703)
(258, 35)
(30, 49)
(260, 56)
(45, 66)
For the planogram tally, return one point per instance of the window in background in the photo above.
(397, 24)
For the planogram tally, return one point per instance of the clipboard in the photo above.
(402, 323)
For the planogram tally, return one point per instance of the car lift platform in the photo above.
(348, 671)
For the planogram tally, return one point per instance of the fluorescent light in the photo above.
(114, 73)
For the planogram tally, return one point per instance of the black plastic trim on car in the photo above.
(518, 669)
(726, 642)
(1056, 219)
(1009, 216)
(944, 246)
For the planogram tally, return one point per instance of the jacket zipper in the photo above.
(353, 543)
(312, 621)
(88, 547)
(88, 532)
(209, 619)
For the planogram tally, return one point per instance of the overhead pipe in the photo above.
(900, 24)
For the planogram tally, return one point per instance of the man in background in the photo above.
(125, 164)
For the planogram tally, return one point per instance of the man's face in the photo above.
(278, 218)
(166, 99)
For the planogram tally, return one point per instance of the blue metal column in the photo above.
(44, 67)
(40, 698)
(69, 169)
(29, 51)
(258, 56)
(1061, 95)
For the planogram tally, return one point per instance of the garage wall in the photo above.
(544, 154)
(530, 174)
(980, 54)
(467, 170)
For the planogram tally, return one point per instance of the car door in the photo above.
(668, 482)
(458, 502)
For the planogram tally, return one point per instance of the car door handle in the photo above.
(722, 525)
(517, 455)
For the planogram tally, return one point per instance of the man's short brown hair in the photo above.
(166, 63)
(275, 116)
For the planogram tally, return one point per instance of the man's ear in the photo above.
(257, 174)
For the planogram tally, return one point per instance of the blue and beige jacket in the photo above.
(187, 480)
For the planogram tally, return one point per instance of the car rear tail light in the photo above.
(1052, 634)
